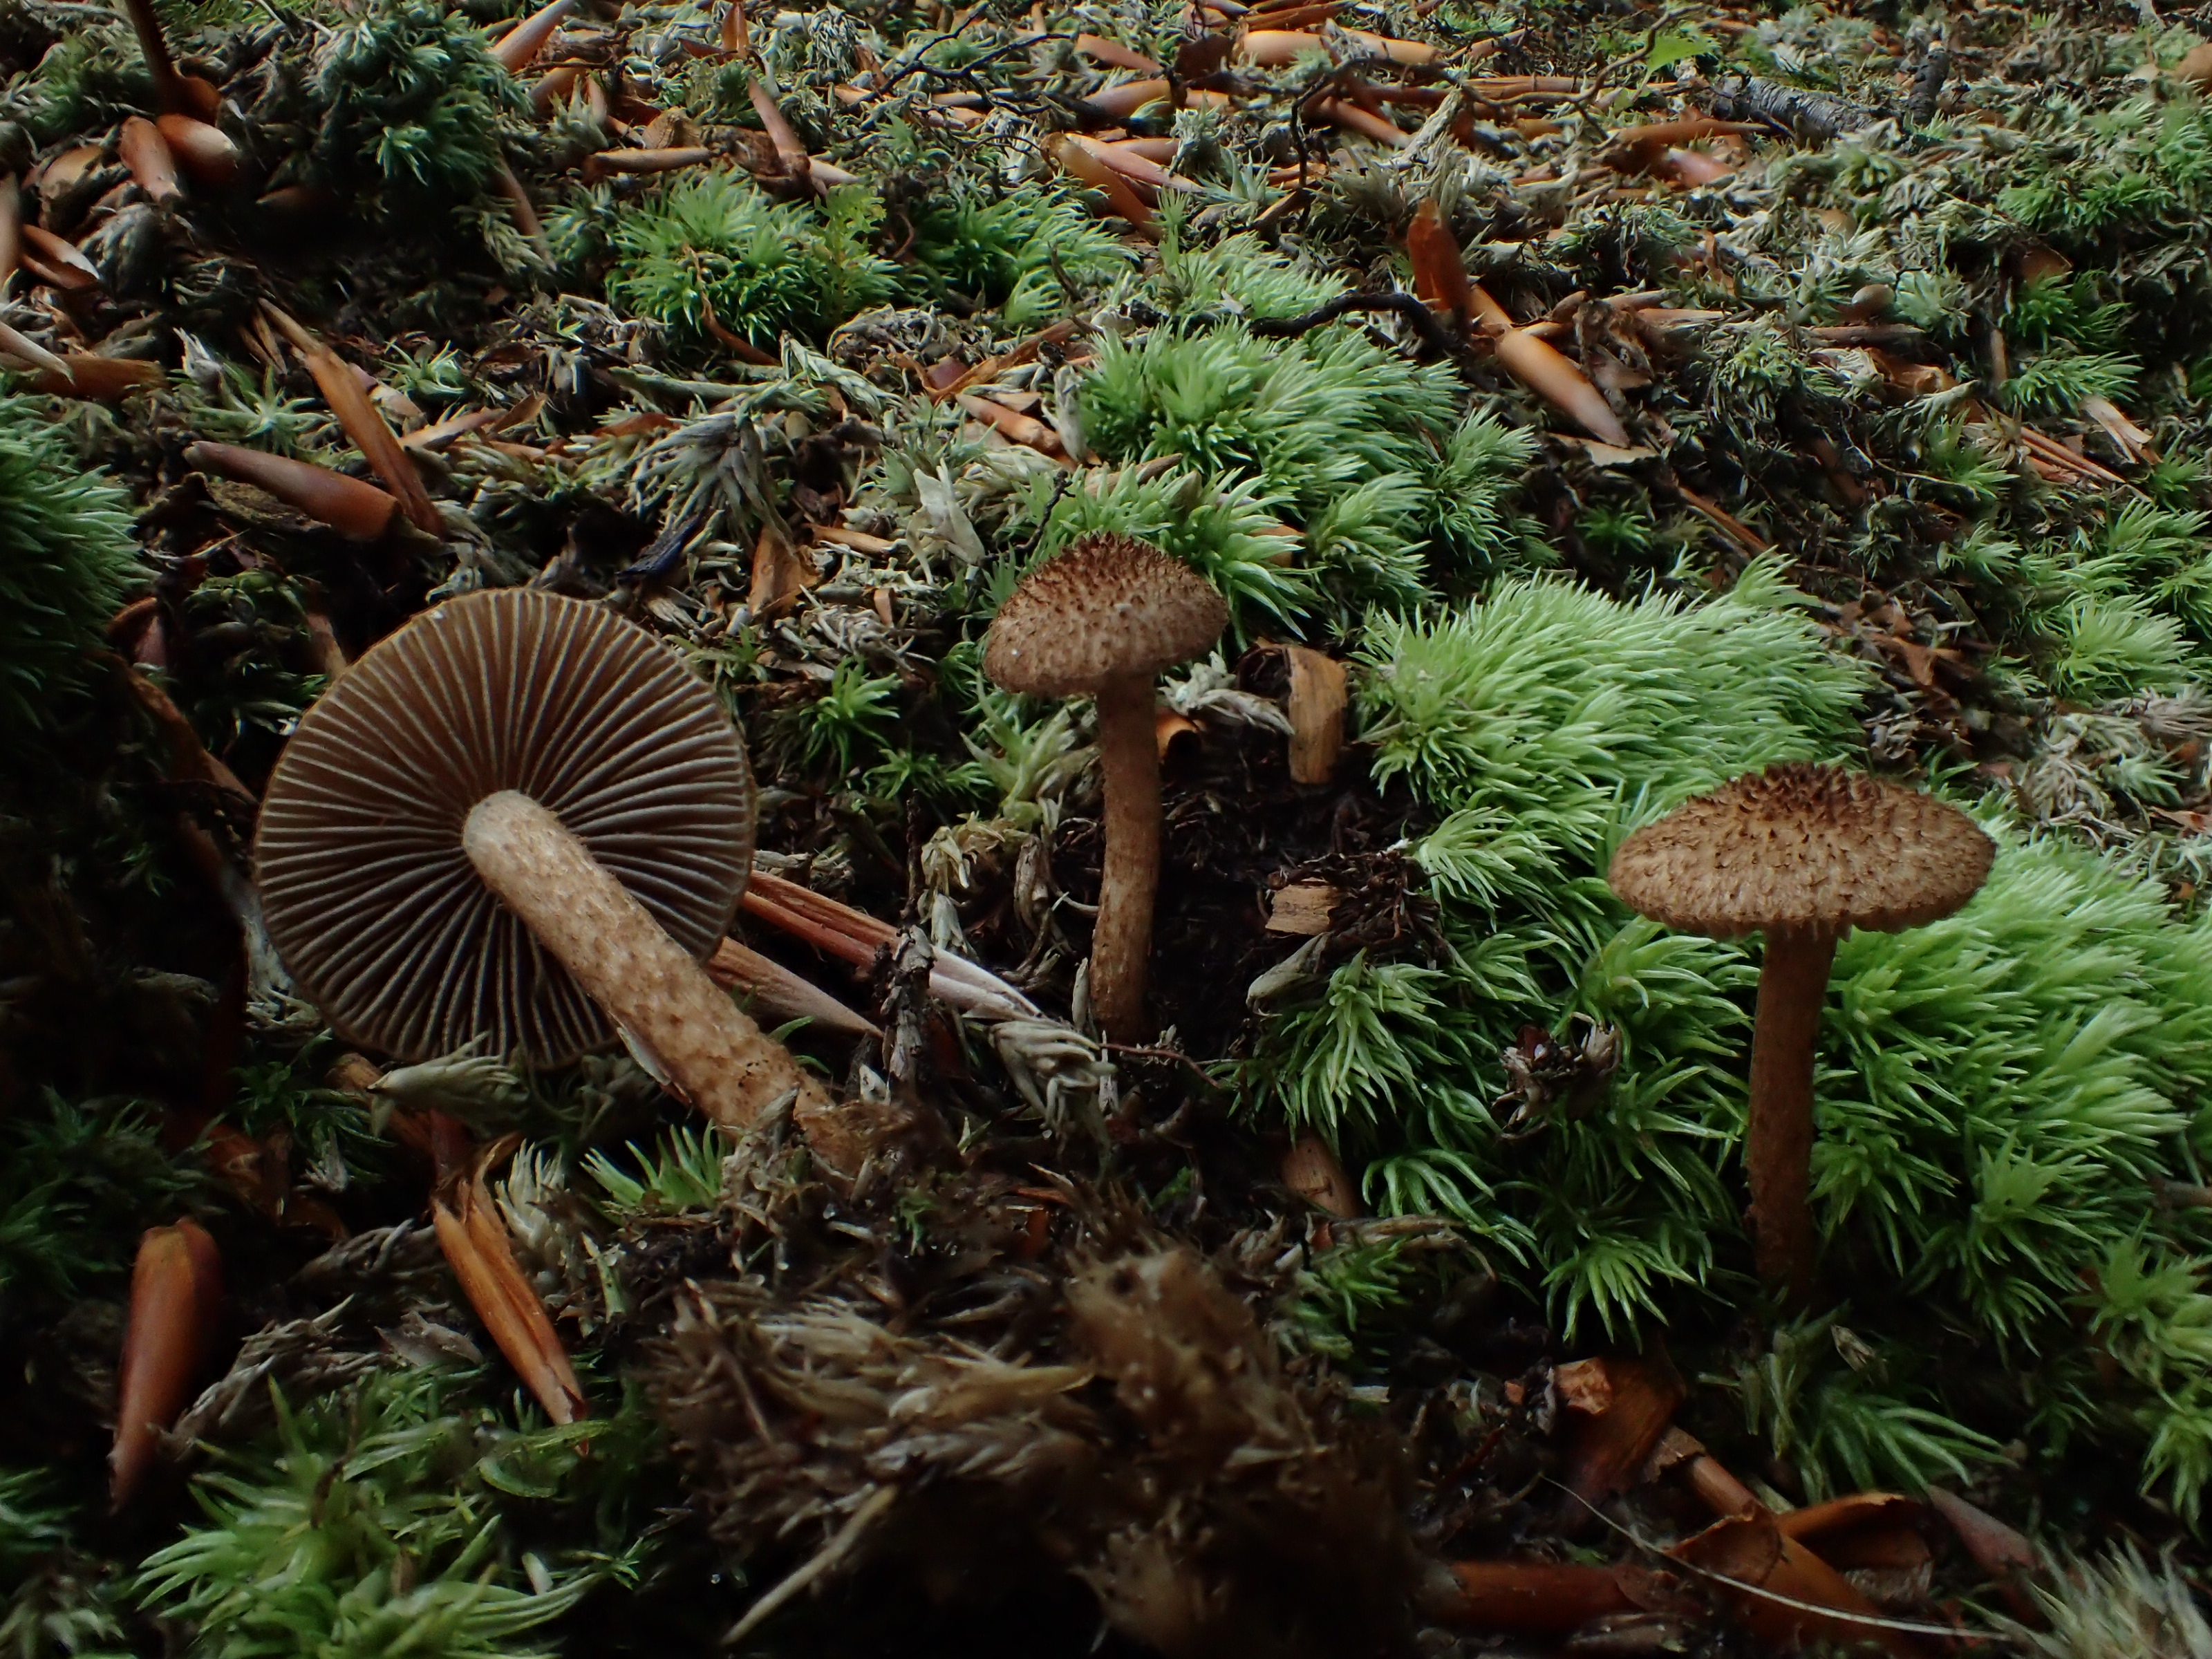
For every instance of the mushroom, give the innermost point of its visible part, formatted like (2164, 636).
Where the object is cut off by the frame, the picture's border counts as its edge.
(516, 820)
(1802, 854)
(1104, 616)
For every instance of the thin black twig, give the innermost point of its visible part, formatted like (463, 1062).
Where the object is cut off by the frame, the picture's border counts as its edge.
(1140, 1052)
(919, 67)
(1434, 334)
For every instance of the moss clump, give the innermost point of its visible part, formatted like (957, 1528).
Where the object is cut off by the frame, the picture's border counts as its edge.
(1544, 724)
(67, 561)
(376, 1521)
(412, 104)
(712, 256)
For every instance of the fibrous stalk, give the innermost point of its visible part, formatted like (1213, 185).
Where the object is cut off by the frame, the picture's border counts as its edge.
(1778, 1145)
(1120, 946)
(648, 984)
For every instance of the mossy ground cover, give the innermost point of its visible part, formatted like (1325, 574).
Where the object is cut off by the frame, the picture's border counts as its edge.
(798, 337)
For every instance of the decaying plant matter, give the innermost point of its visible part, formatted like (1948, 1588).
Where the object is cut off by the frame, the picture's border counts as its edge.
(735, 1100)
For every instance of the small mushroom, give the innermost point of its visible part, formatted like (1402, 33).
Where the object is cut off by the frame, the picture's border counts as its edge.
(1802, 854)
(1105, 616)
(516, 820)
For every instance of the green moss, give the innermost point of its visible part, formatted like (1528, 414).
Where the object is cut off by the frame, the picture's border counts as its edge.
(711, 252)
(384, 1520)
(1999, 1088)
(1020, 251)
(1543, 724)
(412, 104)
(77, 1185)
(1567, 712)
(67, 561)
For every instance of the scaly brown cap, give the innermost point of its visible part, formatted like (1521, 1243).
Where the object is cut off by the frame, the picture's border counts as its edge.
(371, 901)
(1802, 846)
(1105, 607)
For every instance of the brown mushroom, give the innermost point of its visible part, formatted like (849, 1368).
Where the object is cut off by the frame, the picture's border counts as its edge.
(517, 812)
(1802, 854)
(1104, 616)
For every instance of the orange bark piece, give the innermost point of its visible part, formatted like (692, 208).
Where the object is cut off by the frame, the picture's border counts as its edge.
(1412, 54)
(1278, 48)
(515, 49)
(1312, 1171)
(597, 166)
(1132, 164)
(2004, 1555)
(1011, 425)
(1316, 711)
(1368, 125)
(1751, 1550)
(1114, 55)
(1489, 316)
(1560, 382)
(790, 154)
(775, 990)
(1440, 271)
(203, 149)
(1627, 1404)
(83, 374)
(365, 424)
(1643, 145)
(69, 269)
(780, 575)
(1297, 17)
(1533, 1598)
(188, 758)
(175, 1286)
(1093, 169)
(11, 227)
(1728, 524)
(1167, 727)
(146, 153)
(1694, 167)
(1128, 97)
(481, 1256)
(354, 508)
(1860, 1510)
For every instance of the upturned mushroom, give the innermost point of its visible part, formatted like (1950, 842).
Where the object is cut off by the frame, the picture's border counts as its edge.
(520, 822)
(1105, 616)
(1802, 854)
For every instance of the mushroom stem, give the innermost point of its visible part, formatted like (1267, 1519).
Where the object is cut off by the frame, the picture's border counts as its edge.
(1122, 943)
(629, 965)
(1778, 1146)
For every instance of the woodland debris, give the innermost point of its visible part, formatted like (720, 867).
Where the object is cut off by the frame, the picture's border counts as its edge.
(176, 1288)
(481, 1256)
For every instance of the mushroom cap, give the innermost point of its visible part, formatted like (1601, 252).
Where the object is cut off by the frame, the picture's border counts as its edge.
(1105, 607)
(1802, 846)
(372, 903)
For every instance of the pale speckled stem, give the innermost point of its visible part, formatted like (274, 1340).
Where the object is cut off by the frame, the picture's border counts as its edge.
(1122, 943)
(730, 1069)
(1793, 987)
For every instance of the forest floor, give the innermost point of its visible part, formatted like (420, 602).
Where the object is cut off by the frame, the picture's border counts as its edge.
(1578, 406)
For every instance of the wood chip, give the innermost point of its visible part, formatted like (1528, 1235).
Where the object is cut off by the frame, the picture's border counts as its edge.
(1303, 908)
(482, 1255)
(781, 995)
(1622, 1406)
(1316, 712)
(780, 573)
(1312, 1171)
